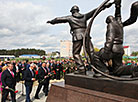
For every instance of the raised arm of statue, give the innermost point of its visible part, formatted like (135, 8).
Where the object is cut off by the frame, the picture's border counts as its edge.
(59, 20)
(90, 14)
(118, 11)
(133, 15)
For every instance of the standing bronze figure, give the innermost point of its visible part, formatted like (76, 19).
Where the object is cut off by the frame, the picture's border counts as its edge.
(78, 24)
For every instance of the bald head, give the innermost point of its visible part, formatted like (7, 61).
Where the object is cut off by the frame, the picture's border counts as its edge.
(44, 65)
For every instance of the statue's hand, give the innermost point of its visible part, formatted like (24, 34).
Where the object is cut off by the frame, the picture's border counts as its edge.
(51, 22)
(48, 22)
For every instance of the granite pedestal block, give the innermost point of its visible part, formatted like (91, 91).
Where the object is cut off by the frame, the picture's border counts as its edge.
(79, 88)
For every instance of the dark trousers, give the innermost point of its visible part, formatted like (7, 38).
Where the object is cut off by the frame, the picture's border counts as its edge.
(58, 75)
(18, 77)
(77, 46)
(39, 88)
(28, 91)
(120, 69)
(117, 68)
(5, 94)
(99, 63)
(47, 87)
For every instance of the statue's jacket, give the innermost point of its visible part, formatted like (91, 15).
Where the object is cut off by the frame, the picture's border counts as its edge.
(77, 22)
(114, 38)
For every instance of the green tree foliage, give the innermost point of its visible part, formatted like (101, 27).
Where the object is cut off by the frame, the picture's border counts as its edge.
(134, 54)
(96, 49)
(18, 52)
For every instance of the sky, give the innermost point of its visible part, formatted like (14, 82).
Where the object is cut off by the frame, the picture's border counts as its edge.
(23, 23)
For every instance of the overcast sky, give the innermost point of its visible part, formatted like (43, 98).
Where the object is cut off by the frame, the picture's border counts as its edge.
(23, 23)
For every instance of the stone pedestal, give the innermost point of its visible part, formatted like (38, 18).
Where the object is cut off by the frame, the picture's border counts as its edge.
(79, 88)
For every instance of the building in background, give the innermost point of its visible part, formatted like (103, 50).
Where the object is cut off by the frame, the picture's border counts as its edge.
(127, 50)
(7, 57)
(29, 56)
(65, 48)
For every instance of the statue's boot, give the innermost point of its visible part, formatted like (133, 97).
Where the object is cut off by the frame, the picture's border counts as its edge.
(80, 71)
(80, 66)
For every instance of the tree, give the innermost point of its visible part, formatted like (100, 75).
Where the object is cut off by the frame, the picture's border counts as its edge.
(134, 53)
(18, 52)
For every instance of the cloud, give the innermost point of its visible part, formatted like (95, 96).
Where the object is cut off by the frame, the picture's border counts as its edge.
(23, 24)
(5, 32)
(131, 35)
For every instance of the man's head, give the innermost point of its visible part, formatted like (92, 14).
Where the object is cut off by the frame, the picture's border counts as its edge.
(74, 9)
(44, 65)
(10, 66)
(110, 19)
(58, 62)
(32, 66)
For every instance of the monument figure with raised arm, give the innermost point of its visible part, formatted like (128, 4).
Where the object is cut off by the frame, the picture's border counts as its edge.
(78, 25)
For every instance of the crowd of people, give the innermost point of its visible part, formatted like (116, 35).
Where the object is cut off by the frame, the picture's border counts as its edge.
(130, 62)
(42, 71)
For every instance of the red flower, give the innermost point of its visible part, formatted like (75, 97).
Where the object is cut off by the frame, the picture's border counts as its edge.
(36, 72)
(54, 72)
(64, 71)
(16, 91)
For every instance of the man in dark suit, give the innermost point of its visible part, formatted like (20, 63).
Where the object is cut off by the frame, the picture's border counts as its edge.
(8, 79)
(39, 64)
(78, 24)
(48, 78)
(42, 74)
(29, 77)
(58, 70)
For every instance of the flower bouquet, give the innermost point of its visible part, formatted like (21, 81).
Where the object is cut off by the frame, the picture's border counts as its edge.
(15, 91)
(49, 74)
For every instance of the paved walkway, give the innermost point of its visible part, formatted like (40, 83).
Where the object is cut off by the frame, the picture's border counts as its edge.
(21, 98)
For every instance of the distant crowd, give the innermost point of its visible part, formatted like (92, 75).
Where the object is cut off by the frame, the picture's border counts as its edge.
(42, 71)
(129, 62)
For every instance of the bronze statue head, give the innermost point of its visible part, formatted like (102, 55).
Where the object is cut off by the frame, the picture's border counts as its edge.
(75, 8)
(109, 19)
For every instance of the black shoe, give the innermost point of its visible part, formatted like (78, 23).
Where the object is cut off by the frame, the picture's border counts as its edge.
(46, 94)
(8, 99)
(36, 97)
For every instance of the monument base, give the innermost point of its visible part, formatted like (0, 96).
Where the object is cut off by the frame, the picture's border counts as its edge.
(82, 92)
